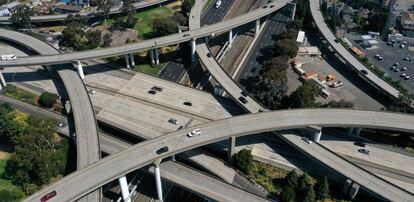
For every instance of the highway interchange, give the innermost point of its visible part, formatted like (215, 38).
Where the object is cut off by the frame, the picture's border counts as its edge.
(215, 130)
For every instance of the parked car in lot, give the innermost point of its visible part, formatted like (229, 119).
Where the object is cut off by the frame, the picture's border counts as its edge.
(407, 59)
(403, 69)
(306, 140)
(195, 132)
(364, 151)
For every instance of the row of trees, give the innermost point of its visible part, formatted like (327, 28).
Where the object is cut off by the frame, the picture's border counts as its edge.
(40, 154)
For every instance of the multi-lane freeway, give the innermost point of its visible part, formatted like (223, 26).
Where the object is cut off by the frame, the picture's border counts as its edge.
(147, 44)
(114, 166)
(345, 54)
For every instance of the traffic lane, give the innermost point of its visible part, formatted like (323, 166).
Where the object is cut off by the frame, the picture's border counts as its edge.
(391, 56)
(214, 15)
(178, 65)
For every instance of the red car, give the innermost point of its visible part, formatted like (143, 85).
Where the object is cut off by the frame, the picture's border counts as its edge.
(48, 196)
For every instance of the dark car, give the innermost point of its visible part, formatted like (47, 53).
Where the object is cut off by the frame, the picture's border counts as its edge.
(48, 196)
(364, 72)
(244, 93)
(162, 150)
(156, 88)
(272, 6)
(188, 103)
(243, 100)
(209, 55)
(264, 6)
(152, 92)
(186, 35)
(361, 144)
(364, 151)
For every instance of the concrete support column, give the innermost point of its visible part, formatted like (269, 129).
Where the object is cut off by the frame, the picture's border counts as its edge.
(317, 135)
(124, 189)
(157, 56)
(293, 11)
(127, 62)
(173, 158)
(132, 59)
(346, 186)
(230, 37)
(193, 50)
(48, 68)
(231, 149)
(350, 131)
(357, 131)
(151, 53)
(257, 27)
(158, 181)
(80, 69)
(2, 81)
(353, 190)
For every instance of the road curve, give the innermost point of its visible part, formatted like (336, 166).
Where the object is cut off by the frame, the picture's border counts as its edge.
(87, 143)
(62, 17)
(144, 45)
(139, 155)
(345, 54)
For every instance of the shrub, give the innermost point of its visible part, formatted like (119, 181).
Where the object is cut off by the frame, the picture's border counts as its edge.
(47, 99)
(244, 161)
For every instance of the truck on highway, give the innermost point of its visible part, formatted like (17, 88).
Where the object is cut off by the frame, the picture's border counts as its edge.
(8, 57)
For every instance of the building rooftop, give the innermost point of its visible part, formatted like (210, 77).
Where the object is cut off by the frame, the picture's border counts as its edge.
(301, 37)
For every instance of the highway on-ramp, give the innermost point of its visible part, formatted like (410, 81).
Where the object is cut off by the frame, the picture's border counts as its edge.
(147, 44)
(345, 54)
(96, 175)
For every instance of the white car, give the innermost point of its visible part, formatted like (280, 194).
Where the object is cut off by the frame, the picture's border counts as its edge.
(91, 91)
(195, 132)
(8, 57)
(306, 140)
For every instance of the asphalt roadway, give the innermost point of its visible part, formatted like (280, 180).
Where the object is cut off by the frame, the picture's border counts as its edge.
(147, 44)
(345, 54)
(98, 174)
(181, 175)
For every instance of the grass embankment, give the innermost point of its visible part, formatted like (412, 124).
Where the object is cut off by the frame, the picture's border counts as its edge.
(268, 176)
(5, 184)
(20, 94)
(148, 69)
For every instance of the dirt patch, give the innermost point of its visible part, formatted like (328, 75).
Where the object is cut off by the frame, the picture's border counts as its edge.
(174, 5)
(5, 151)
(4, 155)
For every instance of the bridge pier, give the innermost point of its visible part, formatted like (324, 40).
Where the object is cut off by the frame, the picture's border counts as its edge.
(355, 132)
(124, 189)
(127, 62)
(158, 179)
(350, 189)
(230, 37)
(48, 68)
(132, 59)
(317, 133)
(231, 149)
(193, 50)
(257, 27)
(157, 56)
(151, 54)
(2, 81)
(80, 69)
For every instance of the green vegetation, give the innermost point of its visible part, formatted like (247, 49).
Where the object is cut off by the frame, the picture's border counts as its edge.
(15, 92)
(397, 139)
(5, 184)
(304, 96)
(244, 161)
(40, 154)
(145, 19)
(148, 69)
(268, 177)
(21, 16)
(186, 6)
(47, 99)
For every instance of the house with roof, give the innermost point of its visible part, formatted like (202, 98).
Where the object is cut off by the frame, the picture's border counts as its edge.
(407, 21)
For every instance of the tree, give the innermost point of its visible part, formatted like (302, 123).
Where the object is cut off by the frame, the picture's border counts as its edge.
(304, 96)
(131, 20)
(180, 19)
(324, 7)
(107, 40)
(21, 16)
(290, 33)
(105, 7)
(288, 194)
(186, 6)
(275, 69)
(286, 47)
(270, 93)
(323, 189)
(11, 195)
(304, 189)
(292, 179)
(308, 194)
(244, 160)
(10, 129)
(164, 26)
(72, 36)
(94, 38)
(47, 99)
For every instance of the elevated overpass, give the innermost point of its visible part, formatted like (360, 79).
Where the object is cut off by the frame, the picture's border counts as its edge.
(147, 44)
(62, 17)
(87, 143)
(346, 55)
(110, 168)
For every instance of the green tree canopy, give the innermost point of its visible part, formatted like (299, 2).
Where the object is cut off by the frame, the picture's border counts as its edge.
(47, 99)
(305, 95)
(244, 160)
(286, 47)
(186, 6)
(21, 16)
(164, 26)
(72, 36)
(288, 194)
(323, 189)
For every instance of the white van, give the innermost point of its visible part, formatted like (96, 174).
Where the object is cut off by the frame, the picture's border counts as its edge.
(8, 57)
(218, 4)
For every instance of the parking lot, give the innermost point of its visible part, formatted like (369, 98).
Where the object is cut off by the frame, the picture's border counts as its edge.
(391, 56)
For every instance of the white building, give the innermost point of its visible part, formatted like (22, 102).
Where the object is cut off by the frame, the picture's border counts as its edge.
(301, 40)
